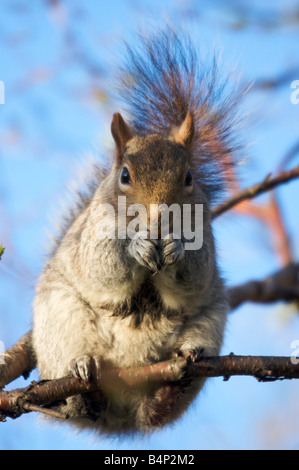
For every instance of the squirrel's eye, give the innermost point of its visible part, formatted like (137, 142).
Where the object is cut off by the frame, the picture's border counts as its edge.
(125, 176)
(188, 180)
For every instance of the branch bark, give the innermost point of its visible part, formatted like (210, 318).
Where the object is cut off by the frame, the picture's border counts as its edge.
(37, 396)
(282, 285)
(17, 360)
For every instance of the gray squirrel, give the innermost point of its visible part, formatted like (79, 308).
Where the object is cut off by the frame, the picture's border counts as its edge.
(138, 300)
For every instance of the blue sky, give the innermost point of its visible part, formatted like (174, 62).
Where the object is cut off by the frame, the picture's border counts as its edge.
(57, 64)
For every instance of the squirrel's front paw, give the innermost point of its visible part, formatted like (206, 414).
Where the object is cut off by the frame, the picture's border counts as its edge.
(85, 367)
(145, 251)
(81, 367)
(173, 250)
(192, 355)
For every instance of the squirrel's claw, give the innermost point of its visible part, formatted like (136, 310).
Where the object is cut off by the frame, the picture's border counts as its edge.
(191, 355)
(81, 367)
(173, 250)
(144, 250)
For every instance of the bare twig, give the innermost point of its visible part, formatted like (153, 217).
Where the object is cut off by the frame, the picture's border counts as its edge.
(267, 184)
(17, 360)
(282, 285)
(263, 368)
(46, 411)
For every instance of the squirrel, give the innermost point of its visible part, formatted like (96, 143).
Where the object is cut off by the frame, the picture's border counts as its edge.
(139, 300)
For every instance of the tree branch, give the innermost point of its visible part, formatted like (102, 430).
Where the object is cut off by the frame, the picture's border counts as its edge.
(17, 360)
(282, 285)
(37, 395)
(267, 184)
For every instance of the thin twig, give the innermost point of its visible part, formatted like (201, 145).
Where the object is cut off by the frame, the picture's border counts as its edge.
(17, 360)
(263, 368)
(46, 411)
(266, 185)
(282, 285)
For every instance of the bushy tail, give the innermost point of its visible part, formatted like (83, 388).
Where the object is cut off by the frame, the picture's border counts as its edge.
(163, 77)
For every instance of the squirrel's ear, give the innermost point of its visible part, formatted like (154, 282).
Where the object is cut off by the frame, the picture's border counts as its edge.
(184, 133)
(122, 133)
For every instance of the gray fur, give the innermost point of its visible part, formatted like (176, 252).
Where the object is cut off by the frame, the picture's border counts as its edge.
(131, 302)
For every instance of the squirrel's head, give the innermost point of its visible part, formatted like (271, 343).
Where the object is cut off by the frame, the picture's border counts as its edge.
(154, 169)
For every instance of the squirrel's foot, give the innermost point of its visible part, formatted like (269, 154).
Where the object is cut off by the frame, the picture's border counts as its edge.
(192, 355)
(81, 367)
(85, 367)
(173, 250)
(145, 251)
